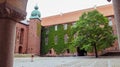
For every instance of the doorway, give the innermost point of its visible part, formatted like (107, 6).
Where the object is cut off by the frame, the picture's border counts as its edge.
(81, 52)
(20, 49)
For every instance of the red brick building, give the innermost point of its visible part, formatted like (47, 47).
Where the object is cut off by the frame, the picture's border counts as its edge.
(28, 35)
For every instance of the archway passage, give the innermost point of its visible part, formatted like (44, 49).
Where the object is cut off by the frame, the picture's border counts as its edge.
(20, 50)
(81, 52)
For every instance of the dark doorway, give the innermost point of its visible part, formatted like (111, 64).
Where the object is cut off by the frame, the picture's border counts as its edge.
(68, 51)
(20, 49)
(81, 52)
(50, 51)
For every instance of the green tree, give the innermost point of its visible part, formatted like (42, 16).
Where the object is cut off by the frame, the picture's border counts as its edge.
(93, 32)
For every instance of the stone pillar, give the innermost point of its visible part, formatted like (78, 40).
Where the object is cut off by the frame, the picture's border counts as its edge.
(10, 13)
(7, 37)
(116, 6)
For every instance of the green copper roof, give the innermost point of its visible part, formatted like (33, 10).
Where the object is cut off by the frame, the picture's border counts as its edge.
(35, 13)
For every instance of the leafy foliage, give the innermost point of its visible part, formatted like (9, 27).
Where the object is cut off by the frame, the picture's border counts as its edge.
(92, 29)
(61, 46)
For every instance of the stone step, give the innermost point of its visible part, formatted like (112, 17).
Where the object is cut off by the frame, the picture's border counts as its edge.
(112, 53)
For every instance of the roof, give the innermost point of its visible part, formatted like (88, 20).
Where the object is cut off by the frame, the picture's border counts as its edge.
(106, 10)
(24, 22)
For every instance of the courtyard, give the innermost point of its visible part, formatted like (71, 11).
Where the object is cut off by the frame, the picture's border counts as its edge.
(87, 61)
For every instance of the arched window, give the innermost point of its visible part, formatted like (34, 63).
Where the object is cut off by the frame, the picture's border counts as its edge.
(21, 35)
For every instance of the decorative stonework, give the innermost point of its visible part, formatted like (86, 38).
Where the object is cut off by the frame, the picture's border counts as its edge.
(8, 11)
(109, 0)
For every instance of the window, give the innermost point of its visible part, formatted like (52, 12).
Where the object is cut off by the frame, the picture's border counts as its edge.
(18, 34)
(47, 30)
(75, 35)
(46, 41)
(73, 23)
(55, 27)
(21, 35)
(56, 39)
(66, 38)
(65, 26)
(110, 21)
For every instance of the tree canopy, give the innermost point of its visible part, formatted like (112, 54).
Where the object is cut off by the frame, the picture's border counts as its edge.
(93, 32)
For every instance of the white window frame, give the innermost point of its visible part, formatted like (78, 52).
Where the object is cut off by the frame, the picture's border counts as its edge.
(65, 26)
(56, 28)
(110, 21)
(73, 23)
(56, 39)
(66, 38)
(46, 41)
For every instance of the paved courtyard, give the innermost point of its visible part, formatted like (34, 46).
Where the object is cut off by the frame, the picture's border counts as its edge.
(68, 62)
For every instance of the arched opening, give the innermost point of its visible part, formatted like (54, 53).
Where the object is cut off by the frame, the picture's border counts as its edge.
(20, 49)
(81, 52)
(50, 51)
(68, 51)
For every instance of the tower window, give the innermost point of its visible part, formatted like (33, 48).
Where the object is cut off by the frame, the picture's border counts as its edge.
(21, 35)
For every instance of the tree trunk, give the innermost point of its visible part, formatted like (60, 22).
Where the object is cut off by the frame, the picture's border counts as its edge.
(95, 49)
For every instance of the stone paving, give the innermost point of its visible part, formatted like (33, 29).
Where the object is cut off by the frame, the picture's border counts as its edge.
(68, 62)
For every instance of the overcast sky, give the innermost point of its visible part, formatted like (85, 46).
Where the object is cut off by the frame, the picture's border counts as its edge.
(53, 7)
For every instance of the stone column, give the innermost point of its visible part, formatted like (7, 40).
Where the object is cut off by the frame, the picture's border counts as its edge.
(10, 14)
(116, 5)
(7, 37)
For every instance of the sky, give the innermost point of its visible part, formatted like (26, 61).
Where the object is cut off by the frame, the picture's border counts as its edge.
(53, 7)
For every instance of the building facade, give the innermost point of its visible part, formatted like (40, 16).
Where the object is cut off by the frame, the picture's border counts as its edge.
(52, 37)
(28, 35)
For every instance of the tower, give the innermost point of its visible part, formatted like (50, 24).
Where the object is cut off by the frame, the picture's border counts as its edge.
(34, 32)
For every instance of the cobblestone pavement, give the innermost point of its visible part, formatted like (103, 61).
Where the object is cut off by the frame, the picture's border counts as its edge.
(68, 62)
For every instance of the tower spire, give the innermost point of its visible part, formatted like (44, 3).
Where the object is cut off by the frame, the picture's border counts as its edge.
(35, 13)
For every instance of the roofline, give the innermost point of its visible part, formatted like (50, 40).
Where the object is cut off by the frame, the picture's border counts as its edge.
(23, 23)
(77, 10)
(59, 24)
